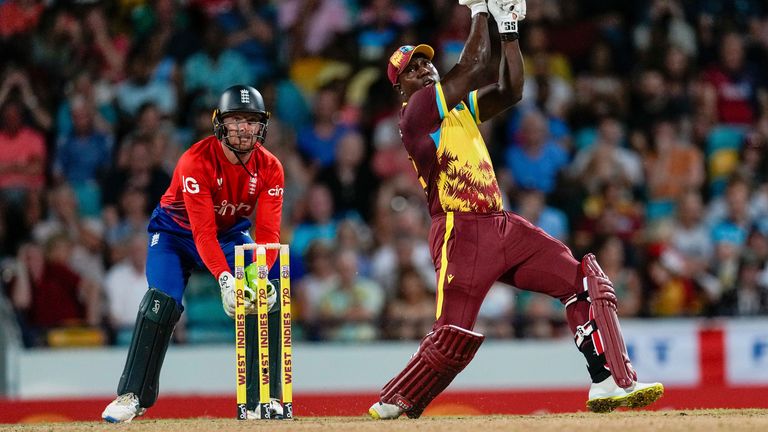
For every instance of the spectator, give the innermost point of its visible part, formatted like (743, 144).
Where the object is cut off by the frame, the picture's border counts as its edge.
(281, 141)
(320, 278)
(532, 205)
(63, 215)
(690, 237)
(22, 155)
(49, 293)
(670, 293)
(626, 280)
(318, 223)
(547, 91)
(162, 137)
(349, 179)
(606, 160)
(132, 217)
(672, 167)
(665, 25)
(97, 94)
(730, 93)
(139, 88)
(539, 55)
(125, 286)
(599, 88)
(497, 313)
(653, 102)
(736, 206)
(18, 17)
(350, 309)
(612, 211)
(318, 142)
(140, 173)
(400, 245)
(83, 156)
(214, 67)
(536, 160)
(312, 25)
(378, 27)
(108, 48)
(409, 315)
(16, 86)
(251, 29)
(749, 297)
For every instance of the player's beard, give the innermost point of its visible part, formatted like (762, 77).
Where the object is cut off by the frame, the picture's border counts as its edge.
(244, 143)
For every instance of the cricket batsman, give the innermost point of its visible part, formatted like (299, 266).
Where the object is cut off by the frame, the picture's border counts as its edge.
(474, 242)
(217, 185)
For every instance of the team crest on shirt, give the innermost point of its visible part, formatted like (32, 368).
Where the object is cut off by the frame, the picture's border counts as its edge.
(252, 186)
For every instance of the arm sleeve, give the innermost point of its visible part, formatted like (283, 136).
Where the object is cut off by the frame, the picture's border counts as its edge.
(473, 107)
(422, 117)
(269, 210)
(199, 204)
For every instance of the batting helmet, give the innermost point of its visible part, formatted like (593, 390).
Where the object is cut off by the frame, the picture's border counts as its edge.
(240, 99)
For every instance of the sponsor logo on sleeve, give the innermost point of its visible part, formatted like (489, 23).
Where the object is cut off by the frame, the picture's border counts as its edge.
(189, 184)
(275, 191)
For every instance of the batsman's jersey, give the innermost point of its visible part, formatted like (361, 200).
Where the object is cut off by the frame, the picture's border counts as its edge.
(449, 154)
(209, 196)
(473, 241)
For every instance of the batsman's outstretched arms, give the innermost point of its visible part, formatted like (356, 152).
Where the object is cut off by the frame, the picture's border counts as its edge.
(473, 61)
(498, 97)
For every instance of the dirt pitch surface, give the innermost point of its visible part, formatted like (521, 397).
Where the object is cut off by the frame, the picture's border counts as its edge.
(683, 421)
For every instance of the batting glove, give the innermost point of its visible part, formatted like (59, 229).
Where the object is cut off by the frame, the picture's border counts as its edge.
(251, 276)
(507, 13)
(228, 298)
(476, 6)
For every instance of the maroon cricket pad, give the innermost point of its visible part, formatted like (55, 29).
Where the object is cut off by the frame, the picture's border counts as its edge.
(442, 355)
(603, 299)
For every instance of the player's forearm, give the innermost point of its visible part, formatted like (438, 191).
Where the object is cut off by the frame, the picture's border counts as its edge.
(511, 71)
(477, 50)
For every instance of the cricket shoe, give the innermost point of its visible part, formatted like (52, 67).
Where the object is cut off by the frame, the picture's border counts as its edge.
(123, 409)
(606, 396)
(275, 411)
(384, 411)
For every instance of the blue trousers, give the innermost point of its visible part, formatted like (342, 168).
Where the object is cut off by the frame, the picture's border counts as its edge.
(172, 255)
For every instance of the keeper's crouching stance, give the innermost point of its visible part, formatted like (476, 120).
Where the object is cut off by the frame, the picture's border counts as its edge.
(219, 185)
(474, 242)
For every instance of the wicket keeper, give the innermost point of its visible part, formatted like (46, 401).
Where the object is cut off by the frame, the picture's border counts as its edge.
(204, 213)
(474, 242)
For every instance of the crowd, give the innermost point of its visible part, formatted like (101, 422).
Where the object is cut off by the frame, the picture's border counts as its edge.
(642, 136)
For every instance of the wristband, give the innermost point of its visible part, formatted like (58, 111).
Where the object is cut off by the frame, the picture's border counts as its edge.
(479, 8)
(509, 37)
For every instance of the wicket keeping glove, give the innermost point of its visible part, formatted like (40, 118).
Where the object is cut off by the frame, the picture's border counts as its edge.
(507, 13)
(251, 276)
(476, 6)
(228, 300)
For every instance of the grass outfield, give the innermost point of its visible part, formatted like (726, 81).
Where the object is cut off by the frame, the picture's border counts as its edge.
(683, 421)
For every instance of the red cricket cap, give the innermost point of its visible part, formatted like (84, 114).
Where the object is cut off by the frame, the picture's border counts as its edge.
(400, 58)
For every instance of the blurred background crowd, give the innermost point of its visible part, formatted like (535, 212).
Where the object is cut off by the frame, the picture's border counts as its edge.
(642, 136)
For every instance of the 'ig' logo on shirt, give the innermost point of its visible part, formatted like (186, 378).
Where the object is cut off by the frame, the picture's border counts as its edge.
(189, 184)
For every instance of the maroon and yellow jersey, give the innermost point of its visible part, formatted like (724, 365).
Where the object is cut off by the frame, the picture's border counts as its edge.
(449, 154)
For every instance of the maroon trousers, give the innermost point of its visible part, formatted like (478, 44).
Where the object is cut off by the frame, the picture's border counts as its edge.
(473, 250)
